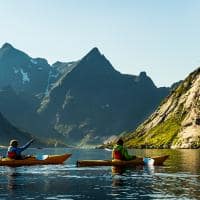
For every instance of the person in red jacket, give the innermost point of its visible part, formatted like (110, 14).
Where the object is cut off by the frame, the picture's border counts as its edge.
(120, 152)
(14, 151)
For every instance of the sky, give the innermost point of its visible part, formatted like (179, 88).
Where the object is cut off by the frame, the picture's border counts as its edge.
(159, 37)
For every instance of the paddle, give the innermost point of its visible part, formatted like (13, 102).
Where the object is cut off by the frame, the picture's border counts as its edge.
(148, 161)
(41, 157)
(107, 149)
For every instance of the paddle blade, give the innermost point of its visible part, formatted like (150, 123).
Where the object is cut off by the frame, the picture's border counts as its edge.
(148, 161)
(41, 157)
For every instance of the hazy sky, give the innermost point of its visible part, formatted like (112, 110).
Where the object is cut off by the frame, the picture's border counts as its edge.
(161, 37)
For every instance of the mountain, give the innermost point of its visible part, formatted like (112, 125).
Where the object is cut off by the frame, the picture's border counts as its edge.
(32, 77)
(176, 122)
(78, 102)
(23, 82)
(24, 74)
(18, 109)
(20, 113)
(93, 101)
(8, 132)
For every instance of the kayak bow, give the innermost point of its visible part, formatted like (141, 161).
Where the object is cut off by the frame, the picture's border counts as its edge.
(159, 160)
(50, 159)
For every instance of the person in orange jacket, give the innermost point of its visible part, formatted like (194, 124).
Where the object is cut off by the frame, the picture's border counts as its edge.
(120, 152)
(14, 151)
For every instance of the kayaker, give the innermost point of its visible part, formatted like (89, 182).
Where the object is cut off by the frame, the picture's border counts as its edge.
(120, 152)
(14, 151)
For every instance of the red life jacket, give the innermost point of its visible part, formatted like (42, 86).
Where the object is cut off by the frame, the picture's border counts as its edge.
(117, 155)
(11, 154)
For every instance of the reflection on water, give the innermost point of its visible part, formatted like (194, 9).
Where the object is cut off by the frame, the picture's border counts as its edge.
(12, 179)
(150, 183)
(179, 178)
(190, 160)
(134, 183)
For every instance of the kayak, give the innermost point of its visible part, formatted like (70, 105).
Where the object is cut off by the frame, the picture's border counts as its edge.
(35, 160)
(159, 160)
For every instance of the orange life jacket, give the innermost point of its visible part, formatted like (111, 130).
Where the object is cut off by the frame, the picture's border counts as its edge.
(117, 155)
(11, 154)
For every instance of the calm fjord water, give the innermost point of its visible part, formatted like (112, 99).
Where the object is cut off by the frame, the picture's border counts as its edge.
(179, 178)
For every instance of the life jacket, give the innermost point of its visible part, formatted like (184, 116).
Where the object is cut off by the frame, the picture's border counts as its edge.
(117, 154)
(11, 154)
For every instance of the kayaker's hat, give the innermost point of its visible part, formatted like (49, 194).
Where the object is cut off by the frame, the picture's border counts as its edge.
(120, 142)
(13, 143)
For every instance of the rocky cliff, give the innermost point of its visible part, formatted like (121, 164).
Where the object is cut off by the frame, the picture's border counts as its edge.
(176, 122)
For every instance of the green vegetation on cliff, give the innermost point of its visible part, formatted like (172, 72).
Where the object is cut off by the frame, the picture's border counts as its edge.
(160, 136)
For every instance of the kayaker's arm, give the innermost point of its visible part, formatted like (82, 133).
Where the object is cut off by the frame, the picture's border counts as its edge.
(20, 149)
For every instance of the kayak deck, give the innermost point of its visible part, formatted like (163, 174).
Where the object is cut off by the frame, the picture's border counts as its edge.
(159, 160)
(50, 159)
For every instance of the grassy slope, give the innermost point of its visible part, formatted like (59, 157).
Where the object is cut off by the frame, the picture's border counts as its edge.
(160, 136)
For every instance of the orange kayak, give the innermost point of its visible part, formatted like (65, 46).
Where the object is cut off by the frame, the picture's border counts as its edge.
(34, 160)
(159, 160)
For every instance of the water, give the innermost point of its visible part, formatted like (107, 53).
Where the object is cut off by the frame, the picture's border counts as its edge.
(179, 178)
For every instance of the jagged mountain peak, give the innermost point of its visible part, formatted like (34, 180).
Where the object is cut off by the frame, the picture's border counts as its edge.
(7, 51)
(93, 55)
(22, 72)
(95, 62)
(7, 46)
(145, 80)
(143, 75)
(93, 52)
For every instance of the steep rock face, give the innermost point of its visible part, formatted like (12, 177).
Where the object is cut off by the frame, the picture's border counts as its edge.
(29, 76)
(8, 132)
(189, 135)
(20, 113)
(19, 110)
(24, 81)
(23, 73)
(176, 122)
(58, 70)
(94, 101)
